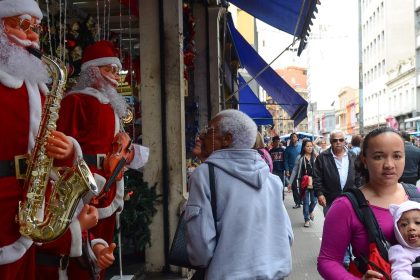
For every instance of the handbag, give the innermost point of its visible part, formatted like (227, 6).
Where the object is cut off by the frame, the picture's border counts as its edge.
(306, 180)
(178, 255)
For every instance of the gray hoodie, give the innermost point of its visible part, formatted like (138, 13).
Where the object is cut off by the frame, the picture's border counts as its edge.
(255, 232)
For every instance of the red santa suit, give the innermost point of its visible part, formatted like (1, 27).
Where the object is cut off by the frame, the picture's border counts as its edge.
(21, 115)
(88, 116)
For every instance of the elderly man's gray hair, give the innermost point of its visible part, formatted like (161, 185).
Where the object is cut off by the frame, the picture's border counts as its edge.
(335, 132)
(242, 128)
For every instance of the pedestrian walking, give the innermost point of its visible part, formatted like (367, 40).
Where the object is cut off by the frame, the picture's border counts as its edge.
(383, 163)
(290, 155)
(411, 172)
(303, 173)
(253, 233)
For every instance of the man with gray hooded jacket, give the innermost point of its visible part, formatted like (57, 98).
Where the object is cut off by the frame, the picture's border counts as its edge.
(253, 227)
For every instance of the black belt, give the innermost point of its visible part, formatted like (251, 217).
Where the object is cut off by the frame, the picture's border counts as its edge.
(12, 168)
(96, 160)
(50, 260)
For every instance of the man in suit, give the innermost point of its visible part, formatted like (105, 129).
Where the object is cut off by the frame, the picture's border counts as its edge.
(334, 171)
(412, 161)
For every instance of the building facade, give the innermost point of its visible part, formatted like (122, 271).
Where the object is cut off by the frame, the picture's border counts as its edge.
(384, 46)
(347, 111)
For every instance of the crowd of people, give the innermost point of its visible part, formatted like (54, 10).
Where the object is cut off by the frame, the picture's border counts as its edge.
(250, 235)
(378, 165)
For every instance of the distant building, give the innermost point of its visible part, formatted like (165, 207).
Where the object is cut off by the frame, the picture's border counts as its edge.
(297, 78)
(347, 111)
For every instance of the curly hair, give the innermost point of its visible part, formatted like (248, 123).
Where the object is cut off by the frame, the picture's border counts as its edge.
(242, 128)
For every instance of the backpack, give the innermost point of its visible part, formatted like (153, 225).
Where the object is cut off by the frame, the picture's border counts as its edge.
(378, 245)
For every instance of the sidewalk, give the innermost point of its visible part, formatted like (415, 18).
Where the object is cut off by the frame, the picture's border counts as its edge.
(304, 251)
(307, 242)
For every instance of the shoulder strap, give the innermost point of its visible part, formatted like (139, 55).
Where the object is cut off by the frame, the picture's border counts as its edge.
(213, 197)
(412, 192)
(368, 219)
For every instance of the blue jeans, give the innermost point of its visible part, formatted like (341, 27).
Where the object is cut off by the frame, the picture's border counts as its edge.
(309, 203)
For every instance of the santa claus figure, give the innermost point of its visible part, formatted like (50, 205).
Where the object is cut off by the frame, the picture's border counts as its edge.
(23, 88)
(91, 112)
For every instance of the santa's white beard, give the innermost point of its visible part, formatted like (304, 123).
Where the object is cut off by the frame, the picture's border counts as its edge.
(19, 63)
(91, 77)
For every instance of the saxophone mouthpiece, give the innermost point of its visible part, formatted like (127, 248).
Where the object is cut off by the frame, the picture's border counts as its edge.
(34, 52)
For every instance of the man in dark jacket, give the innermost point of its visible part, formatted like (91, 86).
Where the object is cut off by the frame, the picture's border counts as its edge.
(412, 161)
(334, 171)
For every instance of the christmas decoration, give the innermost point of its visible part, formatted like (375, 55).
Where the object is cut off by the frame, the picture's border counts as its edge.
(139, 208)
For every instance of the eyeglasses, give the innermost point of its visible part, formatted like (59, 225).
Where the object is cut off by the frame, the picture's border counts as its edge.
(206, 129)
(112, 68)
(24, 24)
(337, 140)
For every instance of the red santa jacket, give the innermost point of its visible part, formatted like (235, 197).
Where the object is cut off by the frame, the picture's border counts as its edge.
(20, 118)
(89, 118)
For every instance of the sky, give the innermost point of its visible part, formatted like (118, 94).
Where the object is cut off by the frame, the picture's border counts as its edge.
(331, 55)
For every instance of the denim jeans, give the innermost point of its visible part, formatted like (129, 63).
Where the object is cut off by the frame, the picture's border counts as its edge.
(309, 203)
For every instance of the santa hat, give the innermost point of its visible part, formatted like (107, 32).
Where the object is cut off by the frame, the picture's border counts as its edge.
(396, 212)
(11, 8)
(99, 54)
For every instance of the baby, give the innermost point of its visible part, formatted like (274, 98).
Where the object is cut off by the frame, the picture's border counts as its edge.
(407, 231)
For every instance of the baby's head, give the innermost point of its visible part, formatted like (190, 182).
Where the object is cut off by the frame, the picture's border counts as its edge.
(407, 223)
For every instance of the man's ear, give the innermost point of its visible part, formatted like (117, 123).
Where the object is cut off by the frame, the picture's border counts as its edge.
(227, 140)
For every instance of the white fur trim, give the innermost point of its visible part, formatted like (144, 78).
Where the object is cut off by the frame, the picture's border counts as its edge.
(101, 62)
(76, 239)
(117, 124)
(91, 92)
(10, 8)
(35, 111)
(141, 156)
(116, 205)
(100, 182)
(13, 252)
(10, 81)
(62, 274)
(78, 154)
(92, 254)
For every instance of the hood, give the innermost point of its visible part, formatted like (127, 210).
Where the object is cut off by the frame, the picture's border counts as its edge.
(243, 164)
(396, 212)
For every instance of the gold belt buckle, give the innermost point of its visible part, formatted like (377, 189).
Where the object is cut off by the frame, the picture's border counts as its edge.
(19, 174)
(100, 160)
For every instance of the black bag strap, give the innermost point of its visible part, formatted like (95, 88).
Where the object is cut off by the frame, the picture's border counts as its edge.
(213, 199)
(412, 192)
(368, 219)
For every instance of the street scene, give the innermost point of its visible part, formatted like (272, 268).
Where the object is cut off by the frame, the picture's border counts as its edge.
(210, 139)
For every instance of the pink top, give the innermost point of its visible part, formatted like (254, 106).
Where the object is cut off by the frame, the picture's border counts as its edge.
(267, 158)
(342, 227)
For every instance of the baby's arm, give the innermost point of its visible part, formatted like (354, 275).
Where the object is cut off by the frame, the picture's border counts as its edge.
(401, 262)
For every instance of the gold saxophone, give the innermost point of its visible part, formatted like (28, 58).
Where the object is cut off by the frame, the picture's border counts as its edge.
(40, 219)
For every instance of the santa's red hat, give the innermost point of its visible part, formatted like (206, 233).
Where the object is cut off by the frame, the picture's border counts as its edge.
(11, 8)
(99, 54)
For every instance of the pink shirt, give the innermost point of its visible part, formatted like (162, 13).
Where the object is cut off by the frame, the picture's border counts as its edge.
(342, 227)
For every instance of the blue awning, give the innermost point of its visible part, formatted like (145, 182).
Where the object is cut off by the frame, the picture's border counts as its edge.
(251, 105)
(273, 84)
(291, 16)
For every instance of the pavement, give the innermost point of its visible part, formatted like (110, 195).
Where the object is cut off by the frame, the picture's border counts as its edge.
(305, 250)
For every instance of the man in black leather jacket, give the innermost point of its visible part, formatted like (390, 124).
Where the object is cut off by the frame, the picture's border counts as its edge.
(334, 171)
